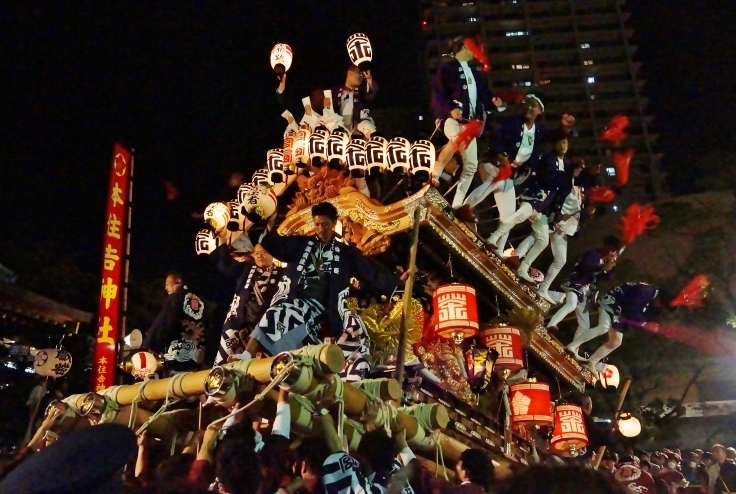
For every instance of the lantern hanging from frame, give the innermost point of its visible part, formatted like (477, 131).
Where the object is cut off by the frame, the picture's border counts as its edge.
(318, 146)
(281, 58)
(301, 146)
(288, 153)
(628, 425)
(530, 404)
(260, 177)
(609, 376)
(243, 191)
(275, 166)
(52, 362)
(260, 203)
(397, 155)
(235, 223)
(456, 312)
(142, 365)
(507, 341)
(360, 50)
(217, 215)
(355, 156)
(336, 144)
(570, 435)
(421, 160)
(205, 242)
(375, 153)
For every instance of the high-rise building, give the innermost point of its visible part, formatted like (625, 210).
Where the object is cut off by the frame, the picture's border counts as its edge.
(577, 55)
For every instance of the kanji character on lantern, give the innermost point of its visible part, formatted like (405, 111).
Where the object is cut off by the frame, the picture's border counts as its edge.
(570, 435)
(456, 312)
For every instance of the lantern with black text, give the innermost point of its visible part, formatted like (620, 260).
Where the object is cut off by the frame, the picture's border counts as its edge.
(397, 154)
(275, 166)
(421, 159)
(506, 340)
(243, 191)
(205, 242)
(628, 425)
(301, 146)
(288, 153)
(336, 145)
(235, 223)
(456, 312)
(530, 404)
(355, 156)
(570, 435)
(609, 376)
(260, 203)
(217, 215)
(360, 50)
(375, 153)
(281, 57)
(260, 177)
(318, 145)
(52, 362)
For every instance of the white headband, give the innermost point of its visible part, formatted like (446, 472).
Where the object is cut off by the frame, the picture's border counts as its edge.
(536, 98)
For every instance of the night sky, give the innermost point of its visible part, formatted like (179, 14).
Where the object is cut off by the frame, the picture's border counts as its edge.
(188, 85)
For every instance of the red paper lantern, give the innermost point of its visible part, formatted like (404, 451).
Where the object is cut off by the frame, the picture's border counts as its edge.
(530, 404)
(506, 340)
(570, 435)
(456, 311)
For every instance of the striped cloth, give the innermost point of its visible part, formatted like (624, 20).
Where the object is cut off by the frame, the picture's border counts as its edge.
(341, 475)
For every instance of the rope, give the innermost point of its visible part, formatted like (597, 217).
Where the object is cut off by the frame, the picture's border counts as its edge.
(371, 387)
(111, 410)
(169, 390)
(439, 457)
(134, 405)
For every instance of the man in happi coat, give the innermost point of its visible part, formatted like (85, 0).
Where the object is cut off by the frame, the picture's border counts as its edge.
(315, 287)
(256, 286)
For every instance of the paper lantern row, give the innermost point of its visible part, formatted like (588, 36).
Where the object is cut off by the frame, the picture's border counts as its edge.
(358, 154)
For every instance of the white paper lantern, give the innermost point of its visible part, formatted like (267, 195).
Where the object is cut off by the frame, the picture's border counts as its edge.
(144, 365)
(628, 425)
(359, 48)
(609, 376)
(336, 145)
(260, 203)
(281, 57)
(375, 153)
(52, 363)
(260, 177)
(217, 215)
(235, 223)
(301, 146)
(288, 153)
(421, 159)
(275, 166)
(355, 155)
(243, 191)
(397, 154)
(318, 145)
(205, 242)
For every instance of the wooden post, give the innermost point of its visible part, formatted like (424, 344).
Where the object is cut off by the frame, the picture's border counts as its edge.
(621, 398)
(407, 320)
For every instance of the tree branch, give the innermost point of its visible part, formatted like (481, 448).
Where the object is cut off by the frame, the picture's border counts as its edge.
(690, 383)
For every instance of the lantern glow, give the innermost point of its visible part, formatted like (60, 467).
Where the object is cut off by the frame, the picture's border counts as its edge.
(421, 159)
(397, 154)
(610, 376)
(275, 166)
(628, 425)
(570, 435)
(506, 340)
(530, 404)
(375, 151)
(281, 57)
(359, 49)
(456, 311)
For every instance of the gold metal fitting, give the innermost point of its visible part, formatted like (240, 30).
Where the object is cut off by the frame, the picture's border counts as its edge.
(218, 382)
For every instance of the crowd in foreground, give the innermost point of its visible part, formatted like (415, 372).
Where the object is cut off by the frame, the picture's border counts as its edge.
(246, 455)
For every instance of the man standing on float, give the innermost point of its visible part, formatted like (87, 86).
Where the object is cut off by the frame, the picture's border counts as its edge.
(460, 94)
(315, 285)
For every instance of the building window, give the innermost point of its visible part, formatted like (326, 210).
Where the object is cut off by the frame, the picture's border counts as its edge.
(515, 33)
(472, 19)
(610, 171)
(520, 66)
(587, 62)
(543, 82)
(522, 83)
(585, 46)
(592, 96)
(421, 117)
(591, 80)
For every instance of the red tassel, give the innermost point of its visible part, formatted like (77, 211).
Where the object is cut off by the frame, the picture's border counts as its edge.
(505, 171)
(601, 194)
(622, 163)
(637, 220)
(694, 292)
(477, 50)
(510, 96)
(614, 131)
(469, 132)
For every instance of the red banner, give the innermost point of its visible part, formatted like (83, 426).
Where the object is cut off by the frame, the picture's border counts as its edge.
(113, 265)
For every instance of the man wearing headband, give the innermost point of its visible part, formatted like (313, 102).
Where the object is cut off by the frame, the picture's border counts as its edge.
(461, 94)
(521, 140)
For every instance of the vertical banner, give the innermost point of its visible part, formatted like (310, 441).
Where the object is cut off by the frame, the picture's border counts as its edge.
(113, 264)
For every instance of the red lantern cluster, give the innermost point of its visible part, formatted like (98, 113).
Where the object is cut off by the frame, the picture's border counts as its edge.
(530, 404)
(506, 340)
(570, 435)
(456, 312)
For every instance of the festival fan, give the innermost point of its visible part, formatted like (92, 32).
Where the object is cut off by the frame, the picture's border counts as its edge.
(510, 96)
(614, 131)
(694, 292)
(637, 219)
(622, 162)
(601, 194)
(477, 50)
(470, 131)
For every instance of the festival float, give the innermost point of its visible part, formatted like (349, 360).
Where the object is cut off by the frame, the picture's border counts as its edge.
(460, 359)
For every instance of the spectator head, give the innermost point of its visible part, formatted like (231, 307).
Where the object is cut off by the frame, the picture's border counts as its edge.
(731, 453)
(174, 470)
(173, 281)
(374, 452)
(609, 460)
(476, 466)
(353, 76)
(309, 460)
(569, 479)
(707, 459)
(693, 459)
(582, 400)
(236, 463)
(644, 456)
(719, 453)
(645, 466)
(611, 245)
(658, 458)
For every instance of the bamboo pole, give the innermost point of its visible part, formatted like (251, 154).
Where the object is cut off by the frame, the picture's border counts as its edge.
(407, 320)
(619, 405)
